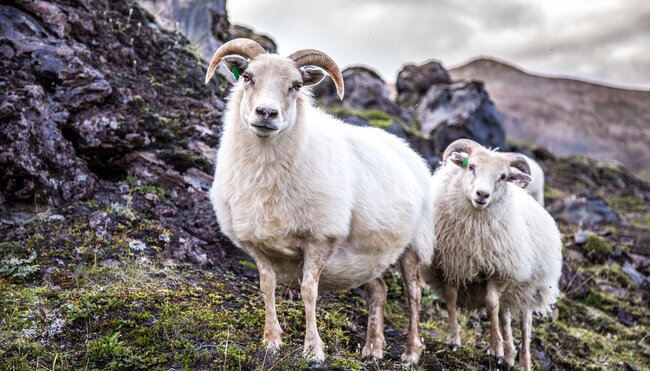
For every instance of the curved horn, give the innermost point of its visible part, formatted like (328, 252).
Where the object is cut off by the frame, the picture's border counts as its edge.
(244, 47)
(460, 145)
(312, 57)
(519, 162)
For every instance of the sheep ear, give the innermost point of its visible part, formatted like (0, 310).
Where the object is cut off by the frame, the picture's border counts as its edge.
(235, 64)
(459, 158)
(311, 76)
(520, 178)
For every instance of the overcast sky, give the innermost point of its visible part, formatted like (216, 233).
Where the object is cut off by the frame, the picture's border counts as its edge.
(596, 40)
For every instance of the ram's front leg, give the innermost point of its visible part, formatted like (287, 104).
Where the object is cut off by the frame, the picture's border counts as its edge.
(410, 263)
(316, 254)
(272, 329)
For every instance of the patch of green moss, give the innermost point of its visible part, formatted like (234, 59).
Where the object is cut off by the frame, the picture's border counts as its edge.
(596, 245)
(247, 263)
(376, 118)
(627, 204)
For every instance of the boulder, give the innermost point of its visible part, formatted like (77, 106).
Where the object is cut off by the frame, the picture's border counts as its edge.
(413, 81)
(364, 90)
(584, 209)
(462, 110)
(204, 22)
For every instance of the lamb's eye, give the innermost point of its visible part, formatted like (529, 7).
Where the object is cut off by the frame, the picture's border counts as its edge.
(247, 77)
(472, 167)
(502, 177)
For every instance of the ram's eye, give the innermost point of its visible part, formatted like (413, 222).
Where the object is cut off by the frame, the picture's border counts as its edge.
(502, 177)
(472, 167)
(295, 87)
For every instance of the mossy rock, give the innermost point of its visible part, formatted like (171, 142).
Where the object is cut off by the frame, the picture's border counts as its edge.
(596, 247)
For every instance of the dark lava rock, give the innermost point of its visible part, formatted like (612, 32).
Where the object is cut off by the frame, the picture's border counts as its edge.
(364, 90)
(583, 209)
(464, 110)
(414, 81)
(204, 22)
(98, 101)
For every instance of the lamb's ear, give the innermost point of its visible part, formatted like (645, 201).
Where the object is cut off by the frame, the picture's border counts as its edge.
(522, 179)
(235, 64)
(459, 158)
(311, 75)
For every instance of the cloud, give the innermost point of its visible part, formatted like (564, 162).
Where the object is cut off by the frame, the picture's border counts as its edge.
(604, 40)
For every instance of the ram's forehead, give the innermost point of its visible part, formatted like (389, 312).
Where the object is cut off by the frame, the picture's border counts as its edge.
(274, 65)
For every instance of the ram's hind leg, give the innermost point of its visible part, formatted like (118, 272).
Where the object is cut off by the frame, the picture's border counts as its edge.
(375, 343)
(410, 264)
(316, 254)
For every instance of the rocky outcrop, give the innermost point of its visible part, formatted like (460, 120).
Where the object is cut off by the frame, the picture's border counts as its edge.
(204, 22)
(103, 104)
(462, 110)
(414, 81)
(430, 110)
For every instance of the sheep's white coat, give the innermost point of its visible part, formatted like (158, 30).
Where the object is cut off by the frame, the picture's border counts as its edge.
(322, 179)
(514, 239)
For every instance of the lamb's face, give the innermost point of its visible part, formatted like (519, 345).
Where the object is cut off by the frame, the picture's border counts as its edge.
(486, 174)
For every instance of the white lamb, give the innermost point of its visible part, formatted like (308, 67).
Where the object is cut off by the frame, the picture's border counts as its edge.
(536, 186)
(315, 202)
(496, 247)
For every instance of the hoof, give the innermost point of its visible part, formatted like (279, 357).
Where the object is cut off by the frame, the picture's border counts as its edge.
(453, 347)
(314, 352)
(409, 359)
(372, 353)
(272, 345)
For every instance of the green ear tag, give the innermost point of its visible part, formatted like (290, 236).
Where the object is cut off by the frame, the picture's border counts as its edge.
(235, 71)
(466, 162)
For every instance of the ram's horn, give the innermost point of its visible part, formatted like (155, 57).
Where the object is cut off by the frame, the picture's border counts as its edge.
(311, 57)
(460, 145)
(246, 48)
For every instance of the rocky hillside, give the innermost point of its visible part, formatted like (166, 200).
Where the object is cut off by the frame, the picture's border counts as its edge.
(110, 256)
(571, 117)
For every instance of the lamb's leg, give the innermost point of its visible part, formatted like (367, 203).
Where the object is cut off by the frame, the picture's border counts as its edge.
(492, 297)
(375, 343)
(508, 342)
(453, 329)
(272, 329)
(413, 283)
(316, 254)
(526, 325)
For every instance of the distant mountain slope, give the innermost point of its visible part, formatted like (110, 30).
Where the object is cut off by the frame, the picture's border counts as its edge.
(570, 116)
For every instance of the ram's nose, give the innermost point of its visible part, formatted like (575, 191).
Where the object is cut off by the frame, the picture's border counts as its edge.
(267, 113)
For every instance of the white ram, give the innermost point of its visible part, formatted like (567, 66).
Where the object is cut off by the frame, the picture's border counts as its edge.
(317, 203)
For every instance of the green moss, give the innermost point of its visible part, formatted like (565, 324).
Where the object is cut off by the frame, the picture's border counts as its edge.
(374, 117)
(627, 204)
(247, 263)
(596, 245)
